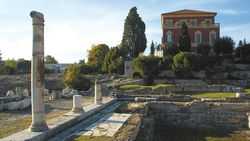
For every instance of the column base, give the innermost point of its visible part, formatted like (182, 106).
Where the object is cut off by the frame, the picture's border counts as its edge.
(77, 110)
(38, 127)
(98, 103)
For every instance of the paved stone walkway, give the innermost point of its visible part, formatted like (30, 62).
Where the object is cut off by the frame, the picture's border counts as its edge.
(107, 126)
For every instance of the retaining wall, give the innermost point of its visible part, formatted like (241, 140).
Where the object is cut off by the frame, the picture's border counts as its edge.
(200, 115)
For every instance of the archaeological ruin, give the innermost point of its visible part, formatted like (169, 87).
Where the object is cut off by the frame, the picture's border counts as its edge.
(120, 108)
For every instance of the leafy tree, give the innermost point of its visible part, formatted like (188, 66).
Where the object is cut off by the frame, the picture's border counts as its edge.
(203, 49)
(0, 57)
(97, 54)
(240, 43)
(182, 64)
(87, 68)
(50, 60)
(170, 51)
(147, 67)
(245, 42)
(113, 62)
(184, 40)
(134, 39)
(243, 53)
(152, 49)
(82, 61)
(166, 62)
(224, 45)
(23, 66)
(9, 67)
(74, 79)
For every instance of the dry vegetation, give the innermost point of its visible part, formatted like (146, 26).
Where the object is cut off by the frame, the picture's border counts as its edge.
(12, 122)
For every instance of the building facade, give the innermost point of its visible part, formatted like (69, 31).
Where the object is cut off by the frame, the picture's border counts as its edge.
(201, 27)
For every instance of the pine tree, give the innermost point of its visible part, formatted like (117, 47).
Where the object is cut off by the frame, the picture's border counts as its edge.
(240, 43)
(244, 42)
(1, 61)
(184, 41)
(152, 49)
(134, 38)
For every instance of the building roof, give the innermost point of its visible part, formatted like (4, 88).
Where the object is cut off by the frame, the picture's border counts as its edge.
(188, 12)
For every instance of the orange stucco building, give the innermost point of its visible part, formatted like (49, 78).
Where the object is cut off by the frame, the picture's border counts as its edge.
(202, 27)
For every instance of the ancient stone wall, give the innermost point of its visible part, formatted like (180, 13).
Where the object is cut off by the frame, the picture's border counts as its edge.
(14, 103)
(200, 115)
(178, 88)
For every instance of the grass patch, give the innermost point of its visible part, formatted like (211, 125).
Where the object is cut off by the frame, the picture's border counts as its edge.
(139, 86)
(10, 127)
(92, 138)
(247, 90)
(214, 95)
(13, 126)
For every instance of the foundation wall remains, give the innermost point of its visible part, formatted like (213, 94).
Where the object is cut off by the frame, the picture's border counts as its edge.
(200, 115)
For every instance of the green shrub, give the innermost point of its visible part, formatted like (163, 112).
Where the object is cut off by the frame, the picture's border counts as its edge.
(147, 67)
(8, 67)
(74, 79)
(113, 62)
(203, 49)
(223, 46)
(88, 68)
(182, 64)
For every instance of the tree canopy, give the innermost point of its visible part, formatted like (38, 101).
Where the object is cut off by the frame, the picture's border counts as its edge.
(243, 53)
(134, 39)
(97, 54)
(147, 67)
(152, 49)
(113, 62)
(74, 79)
(184, 39)
(224, 45)
(50, 60)
(203, 49)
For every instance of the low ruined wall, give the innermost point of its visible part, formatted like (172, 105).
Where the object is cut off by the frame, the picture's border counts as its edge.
(179, 88)
(10, 104)
(200, 115)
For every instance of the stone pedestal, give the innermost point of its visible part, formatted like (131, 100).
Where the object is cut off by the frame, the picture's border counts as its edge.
(98, 92)
(239, 95)
(37, 74)
(77, 104)
(248, 115)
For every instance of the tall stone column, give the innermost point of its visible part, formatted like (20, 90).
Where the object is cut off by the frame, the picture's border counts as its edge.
(37, 74)
(98, 92)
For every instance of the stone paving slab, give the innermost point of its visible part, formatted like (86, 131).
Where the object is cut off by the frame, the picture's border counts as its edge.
(107, 126)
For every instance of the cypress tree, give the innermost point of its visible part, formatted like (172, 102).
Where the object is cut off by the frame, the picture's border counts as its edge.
(152, 49)
(184, 41)
(134, 38)
(240, 43)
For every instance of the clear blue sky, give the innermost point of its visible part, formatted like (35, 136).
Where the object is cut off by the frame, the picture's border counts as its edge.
(72, 26)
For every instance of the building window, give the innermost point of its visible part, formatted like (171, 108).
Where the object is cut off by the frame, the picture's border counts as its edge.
(198, 37)
(207, 22)
(212, 37)
(193, 22)
(169, 37)
(169, 23)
